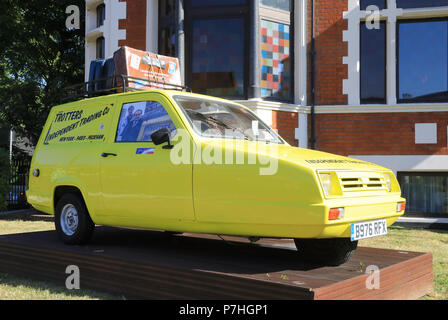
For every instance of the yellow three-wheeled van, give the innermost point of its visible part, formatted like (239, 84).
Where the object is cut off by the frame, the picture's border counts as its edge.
(183, 162)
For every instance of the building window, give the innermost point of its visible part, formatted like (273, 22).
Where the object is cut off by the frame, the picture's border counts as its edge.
(100, 15)
(276, 56)
(373, 64)
(277, 4)
(275, 60)
(218, 56)
(381, 4)
(100, 48)
(167, 28)
(415, 53)
(214, 3)
(408, 4)
(422, 72)
(217, 47)
(426, 193)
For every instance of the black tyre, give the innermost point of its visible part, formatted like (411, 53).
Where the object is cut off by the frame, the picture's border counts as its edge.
(72, 220)
(331, 252)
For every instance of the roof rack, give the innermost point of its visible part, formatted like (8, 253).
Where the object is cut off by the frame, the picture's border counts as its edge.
(116, 84)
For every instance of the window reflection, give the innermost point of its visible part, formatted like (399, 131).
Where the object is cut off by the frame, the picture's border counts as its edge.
(406, 4)
(425, 193)
(278, 4)
(381, 4)
(100, 48)
(373, 64)
(275, 60)
(218, 57)
(423, 61)
(213, 3)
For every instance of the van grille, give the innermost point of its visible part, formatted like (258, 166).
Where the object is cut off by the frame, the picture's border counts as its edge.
(362, 182)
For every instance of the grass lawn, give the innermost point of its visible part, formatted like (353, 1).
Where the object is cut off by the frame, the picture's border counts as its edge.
(420, 240)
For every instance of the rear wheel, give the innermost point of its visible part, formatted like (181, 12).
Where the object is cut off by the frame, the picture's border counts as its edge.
(72, 220)
(332, 252)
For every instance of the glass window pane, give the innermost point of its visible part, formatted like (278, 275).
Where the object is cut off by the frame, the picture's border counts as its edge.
(166, 8)
(141, 119)
(224, 120)
(425, 193)
(406, 4)
(100, 15)
(373, 64)
(218, 57)
(214, 3)
(279, 4)
(381, 4)
(100, 48)
(422, 61)
(275, 60)
(167, 41)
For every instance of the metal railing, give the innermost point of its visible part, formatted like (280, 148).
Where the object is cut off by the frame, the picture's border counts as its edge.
(18, 184)
(116, 84)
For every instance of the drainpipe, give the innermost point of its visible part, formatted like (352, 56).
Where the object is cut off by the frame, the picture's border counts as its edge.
(254, 63)
(180, 37)
(11, 140)
(312, 100)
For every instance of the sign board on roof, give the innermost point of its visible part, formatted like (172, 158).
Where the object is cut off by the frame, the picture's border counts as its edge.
(149, 66)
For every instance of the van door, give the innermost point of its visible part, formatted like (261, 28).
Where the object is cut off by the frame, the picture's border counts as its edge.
(141, 187)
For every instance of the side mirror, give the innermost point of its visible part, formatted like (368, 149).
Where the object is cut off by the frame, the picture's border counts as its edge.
(162, 136)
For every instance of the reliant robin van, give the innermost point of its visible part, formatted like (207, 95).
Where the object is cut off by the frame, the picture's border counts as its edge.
(184, 162)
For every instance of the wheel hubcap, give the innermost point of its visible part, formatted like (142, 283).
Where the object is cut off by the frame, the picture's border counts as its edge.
(69, 219)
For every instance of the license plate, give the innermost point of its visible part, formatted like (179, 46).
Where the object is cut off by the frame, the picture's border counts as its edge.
(368, 229)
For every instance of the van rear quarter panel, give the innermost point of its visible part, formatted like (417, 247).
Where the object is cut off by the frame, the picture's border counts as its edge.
(68, 152)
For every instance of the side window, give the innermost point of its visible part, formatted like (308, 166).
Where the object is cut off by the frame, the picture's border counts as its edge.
(138, 120)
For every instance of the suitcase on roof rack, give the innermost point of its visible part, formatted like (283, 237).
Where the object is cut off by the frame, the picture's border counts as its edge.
(91, 86)
(99, 66)
(109, 73)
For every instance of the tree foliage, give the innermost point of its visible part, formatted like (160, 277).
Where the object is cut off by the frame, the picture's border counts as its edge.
(38, 57)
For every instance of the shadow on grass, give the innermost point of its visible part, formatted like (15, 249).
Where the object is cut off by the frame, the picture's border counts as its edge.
(40, 290)
(31, 215)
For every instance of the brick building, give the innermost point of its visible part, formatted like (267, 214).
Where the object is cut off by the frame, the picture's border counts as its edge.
(376, 87)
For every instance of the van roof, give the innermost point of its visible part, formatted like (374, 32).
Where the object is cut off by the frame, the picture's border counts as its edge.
(137, 93)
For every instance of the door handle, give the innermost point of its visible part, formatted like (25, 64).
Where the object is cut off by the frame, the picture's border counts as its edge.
(105, 154)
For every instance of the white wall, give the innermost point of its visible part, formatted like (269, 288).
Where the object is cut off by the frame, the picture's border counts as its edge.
(408, 162)
(115, 11)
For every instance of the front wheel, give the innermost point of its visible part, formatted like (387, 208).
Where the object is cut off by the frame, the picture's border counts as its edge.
(72, 220)
(332, 252)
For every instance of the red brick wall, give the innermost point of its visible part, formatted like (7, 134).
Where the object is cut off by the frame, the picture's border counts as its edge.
(330, 49)
(379, 133)
(286, 123)
(134, 24)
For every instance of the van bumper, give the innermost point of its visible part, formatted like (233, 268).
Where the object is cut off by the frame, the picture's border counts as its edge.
(358, 210)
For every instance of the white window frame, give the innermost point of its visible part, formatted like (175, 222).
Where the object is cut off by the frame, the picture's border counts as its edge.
(354, 16)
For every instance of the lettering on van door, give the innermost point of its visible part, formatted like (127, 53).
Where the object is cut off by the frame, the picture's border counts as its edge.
(65, 124)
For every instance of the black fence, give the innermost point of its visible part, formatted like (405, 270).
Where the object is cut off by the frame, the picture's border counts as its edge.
(18, 184)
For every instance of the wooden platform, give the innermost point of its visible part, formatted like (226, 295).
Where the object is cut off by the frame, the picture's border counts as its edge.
(154, 265)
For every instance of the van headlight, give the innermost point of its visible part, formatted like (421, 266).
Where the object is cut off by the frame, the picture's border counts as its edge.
(388, 181)
(330, 184)
(325, 180)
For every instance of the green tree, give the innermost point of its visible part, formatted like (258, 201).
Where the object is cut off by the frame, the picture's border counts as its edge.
(38, 57)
